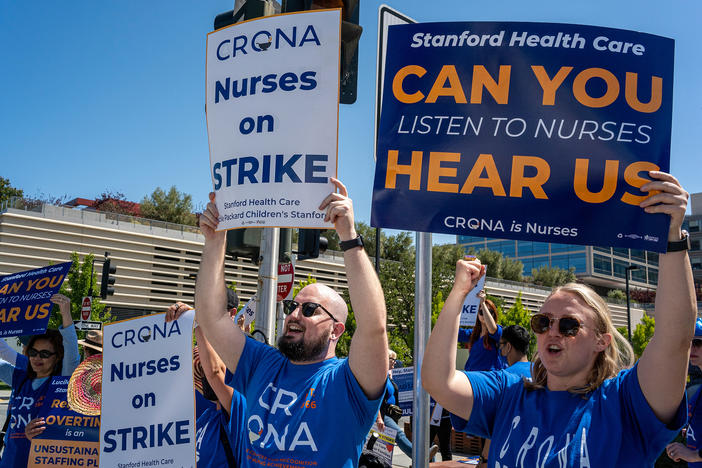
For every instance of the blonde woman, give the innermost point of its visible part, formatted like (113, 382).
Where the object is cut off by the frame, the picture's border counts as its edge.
(585, 406)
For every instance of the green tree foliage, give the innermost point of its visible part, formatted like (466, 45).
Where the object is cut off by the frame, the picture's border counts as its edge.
(7, 191)
(172, 206)
(113, 202)
(518, 314)
(552, 276)
(616, 294)
(642, 334)
(75, 287)
(499, 266)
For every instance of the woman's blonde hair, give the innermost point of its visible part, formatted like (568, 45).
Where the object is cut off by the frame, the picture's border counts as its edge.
(617, 356)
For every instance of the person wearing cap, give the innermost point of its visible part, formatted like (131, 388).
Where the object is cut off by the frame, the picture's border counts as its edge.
(691, 451)
(92, 344)
(298, 394)
(52, 353)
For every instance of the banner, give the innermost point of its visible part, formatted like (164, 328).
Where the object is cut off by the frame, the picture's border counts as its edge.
(272, 118)
(531, 131)
(471, 305)
(148, 410)
(25, 307)
(70, 438)
(404, 379)
(382, 443)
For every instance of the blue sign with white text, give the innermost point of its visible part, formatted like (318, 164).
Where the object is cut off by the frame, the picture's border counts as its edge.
(25, 307)
(533, 131)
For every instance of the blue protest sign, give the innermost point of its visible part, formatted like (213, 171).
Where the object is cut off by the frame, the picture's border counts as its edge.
(70, 438)
(404, 379)
(532, 131)
(25, 307)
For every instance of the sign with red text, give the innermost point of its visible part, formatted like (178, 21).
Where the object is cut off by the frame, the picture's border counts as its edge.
(286, 276)
(534, 131)
(272, 118)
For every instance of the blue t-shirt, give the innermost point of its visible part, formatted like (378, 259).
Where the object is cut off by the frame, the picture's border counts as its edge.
(237, 427)
(613, 426)
(693, 435)
(520, 368)
(389, 393)
(208, 443)
(480, 357)
(24, 405)
(300, 414)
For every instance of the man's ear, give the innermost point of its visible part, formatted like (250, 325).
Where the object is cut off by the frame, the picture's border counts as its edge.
(337, 330)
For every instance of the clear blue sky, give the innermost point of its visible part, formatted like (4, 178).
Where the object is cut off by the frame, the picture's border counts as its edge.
(100, 95)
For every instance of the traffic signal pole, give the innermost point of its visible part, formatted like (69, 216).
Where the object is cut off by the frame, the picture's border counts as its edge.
(267, 283)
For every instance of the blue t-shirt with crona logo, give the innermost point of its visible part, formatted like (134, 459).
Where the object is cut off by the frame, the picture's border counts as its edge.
(693, 434)
(612, 426)
(301, 415)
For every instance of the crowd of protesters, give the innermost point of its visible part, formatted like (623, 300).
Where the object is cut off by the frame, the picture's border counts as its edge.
(582, 401)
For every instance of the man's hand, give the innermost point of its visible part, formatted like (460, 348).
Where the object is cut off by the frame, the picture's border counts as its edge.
(209, 220)
(677, 451)
(340, 211)
(468, 272)
(176, 310)
(671, 199)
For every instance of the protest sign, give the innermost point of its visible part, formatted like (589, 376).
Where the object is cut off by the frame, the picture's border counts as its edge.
(272, 118)
(382, 443)
(148, 410)
(70, 438)
(25, 307)
(404, 379)
(469, 311)
(531, 131)
(248, 311)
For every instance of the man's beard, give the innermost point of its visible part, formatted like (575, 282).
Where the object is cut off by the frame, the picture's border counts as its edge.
(302, 352)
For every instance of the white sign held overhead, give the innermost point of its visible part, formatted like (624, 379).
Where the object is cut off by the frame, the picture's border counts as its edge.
(469, 312)
(272, 118)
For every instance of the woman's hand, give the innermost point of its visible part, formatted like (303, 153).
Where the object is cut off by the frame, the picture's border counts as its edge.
(34, 427)
(677, 451)
(64, 305)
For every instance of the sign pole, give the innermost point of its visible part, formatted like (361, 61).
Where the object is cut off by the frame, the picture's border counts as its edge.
(268, 283)
(422, 327)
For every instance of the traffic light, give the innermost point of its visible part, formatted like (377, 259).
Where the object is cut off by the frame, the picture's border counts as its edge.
(244, 243)
(310, 244)
(107, 280)
(350, 35)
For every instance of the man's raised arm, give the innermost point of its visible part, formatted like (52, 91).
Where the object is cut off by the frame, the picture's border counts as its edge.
(369, 344)
(211, 295)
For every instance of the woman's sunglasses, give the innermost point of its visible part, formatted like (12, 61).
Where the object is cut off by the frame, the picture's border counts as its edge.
(308, 309)
(567, 325)
(44, 354)
(697, 342)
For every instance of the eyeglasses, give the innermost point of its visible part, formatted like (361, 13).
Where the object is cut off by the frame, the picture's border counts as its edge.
(308, 309)
(44, 354)
(697, 342)
(393, 361)
(567, 325)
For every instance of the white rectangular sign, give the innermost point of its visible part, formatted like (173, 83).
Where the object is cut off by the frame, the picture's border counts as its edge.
(148, 409)
(272, 118)
(469, 312)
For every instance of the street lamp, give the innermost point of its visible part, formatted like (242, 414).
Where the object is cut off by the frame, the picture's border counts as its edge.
(628, 307)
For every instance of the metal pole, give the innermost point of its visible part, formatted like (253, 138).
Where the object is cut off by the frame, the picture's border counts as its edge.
(628, 307)
(267, 283)
(422, 326)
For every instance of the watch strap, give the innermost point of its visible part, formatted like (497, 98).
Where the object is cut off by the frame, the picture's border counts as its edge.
(351, 243)
(682, 244)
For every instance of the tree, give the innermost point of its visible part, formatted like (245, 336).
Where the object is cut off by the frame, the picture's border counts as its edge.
(499, 266)
(172, 207)
(519, 315)
(115, 202)
(7, 191)
(616, 295)
(552, 276)
(75, 287)
(642, 334)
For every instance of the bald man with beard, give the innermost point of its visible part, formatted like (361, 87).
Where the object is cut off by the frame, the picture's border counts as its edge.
(305, 406)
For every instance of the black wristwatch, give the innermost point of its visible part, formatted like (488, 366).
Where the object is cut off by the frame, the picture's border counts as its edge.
(352, 243)
(682, 244)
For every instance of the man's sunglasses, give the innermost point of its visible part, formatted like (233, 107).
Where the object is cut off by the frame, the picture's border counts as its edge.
(308, 309)
(567, 325)
(44, 354)
(697, 342)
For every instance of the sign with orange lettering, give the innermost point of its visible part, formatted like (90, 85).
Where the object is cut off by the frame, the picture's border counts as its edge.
(532, 131)
(25, 305)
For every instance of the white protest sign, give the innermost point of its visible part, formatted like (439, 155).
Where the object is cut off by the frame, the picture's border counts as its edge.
(382, 443)
(469, 312)
(148, 409)
(272, 118)
(248, 311)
